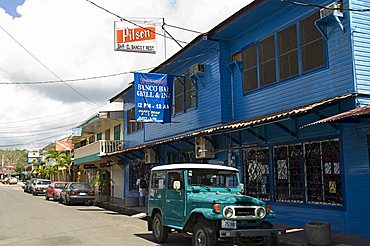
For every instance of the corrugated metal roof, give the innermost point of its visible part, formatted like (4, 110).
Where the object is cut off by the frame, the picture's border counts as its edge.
(361, 111)
(238, 124)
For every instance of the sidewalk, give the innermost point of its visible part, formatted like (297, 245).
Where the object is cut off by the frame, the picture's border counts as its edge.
(290, 235)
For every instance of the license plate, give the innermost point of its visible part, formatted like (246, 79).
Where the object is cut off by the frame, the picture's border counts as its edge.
(228, 224)
(83, 194)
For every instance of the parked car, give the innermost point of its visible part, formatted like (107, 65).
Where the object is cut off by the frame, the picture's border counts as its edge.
(13, 180)
(54, 189)
(6, 180)
(39, 186)
(29, 184)
(206, 200)
(76, 192)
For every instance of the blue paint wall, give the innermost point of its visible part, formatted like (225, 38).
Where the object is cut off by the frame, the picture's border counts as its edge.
(360, 29)
(336, 79)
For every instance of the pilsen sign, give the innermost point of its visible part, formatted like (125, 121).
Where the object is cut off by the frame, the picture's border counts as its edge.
(134, 39)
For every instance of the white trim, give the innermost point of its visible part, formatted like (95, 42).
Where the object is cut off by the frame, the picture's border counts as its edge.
(193, 166)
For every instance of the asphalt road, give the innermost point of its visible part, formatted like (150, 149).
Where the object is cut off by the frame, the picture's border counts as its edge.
(29, 220)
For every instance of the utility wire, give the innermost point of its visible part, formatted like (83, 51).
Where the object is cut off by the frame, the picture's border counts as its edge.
(29, 143)
(64, 116)
(182, 28)
(42, 64)
(133, 23)
(97, 77)
(34, 135)
(324, 7)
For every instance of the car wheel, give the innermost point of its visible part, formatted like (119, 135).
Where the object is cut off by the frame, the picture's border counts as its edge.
(66, 201)
(203, 235)
(160, 232)
(55, 198)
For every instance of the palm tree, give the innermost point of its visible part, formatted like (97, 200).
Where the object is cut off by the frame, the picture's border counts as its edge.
(50, 172)
(66, 161)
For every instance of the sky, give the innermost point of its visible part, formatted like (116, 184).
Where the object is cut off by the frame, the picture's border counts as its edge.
(59, 40)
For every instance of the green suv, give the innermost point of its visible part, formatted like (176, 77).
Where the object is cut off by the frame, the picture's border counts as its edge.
(206, 200)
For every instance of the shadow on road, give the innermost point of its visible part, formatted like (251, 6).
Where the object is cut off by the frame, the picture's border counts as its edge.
(174, 239)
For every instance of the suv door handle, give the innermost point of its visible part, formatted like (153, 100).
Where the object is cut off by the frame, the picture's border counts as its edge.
(168, 201)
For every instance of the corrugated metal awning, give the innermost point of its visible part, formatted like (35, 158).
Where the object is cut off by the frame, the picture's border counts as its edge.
(270, 118)
(353, 113)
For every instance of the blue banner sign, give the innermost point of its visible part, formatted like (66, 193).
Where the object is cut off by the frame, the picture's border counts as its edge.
(153, 97)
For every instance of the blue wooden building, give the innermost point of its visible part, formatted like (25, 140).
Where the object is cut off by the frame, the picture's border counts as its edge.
(271, 91)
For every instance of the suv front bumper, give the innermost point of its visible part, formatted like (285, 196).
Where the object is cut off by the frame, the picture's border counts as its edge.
(248, 233)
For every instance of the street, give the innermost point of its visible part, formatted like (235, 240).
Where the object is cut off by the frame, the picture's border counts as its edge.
(30, 220)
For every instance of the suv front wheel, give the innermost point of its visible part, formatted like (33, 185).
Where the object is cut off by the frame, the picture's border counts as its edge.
(203, 235)
(160, 232)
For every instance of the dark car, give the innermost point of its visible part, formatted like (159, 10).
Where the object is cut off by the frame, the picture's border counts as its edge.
(54, 189)
(76, 192)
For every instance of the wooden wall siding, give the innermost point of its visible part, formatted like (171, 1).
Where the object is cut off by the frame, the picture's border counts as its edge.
(360, 22)
(208, 111)
(225, 101)
(357, 177)
(336, 79)
(133, 138)
(295, 215)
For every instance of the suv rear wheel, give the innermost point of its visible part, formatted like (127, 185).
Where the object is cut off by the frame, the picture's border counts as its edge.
(160, 232)
(203, 235)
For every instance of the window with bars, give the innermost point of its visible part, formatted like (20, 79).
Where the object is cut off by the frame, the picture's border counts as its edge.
(288, 173)
(256, 172)
(132, 125)
(308, 173)
(135, 170)
(278, 55)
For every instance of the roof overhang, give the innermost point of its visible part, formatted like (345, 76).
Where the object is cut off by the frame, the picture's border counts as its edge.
(236, 125)
(350, 116)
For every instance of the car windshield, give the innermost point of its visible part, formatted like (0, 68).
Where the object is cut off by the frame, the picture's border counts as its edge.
(80, 186)
(44, 182)
(59, 185)
(212, 178)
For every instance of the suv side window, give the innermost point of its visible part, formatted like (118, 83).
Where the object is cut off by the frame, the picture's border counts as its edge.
(175, 176)
(158, 180)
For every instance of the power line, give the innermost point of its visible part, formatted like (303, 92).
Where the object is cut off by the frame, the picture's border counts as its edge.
(324, 7)
(97, 77)
(133, 23)
(43, 117)
(34, 135)
(42, 64)
(29, 143)
(182, 28)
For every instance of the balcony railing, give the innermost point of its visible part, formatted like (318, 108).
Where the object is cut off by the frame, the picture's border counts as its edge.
(100, 147)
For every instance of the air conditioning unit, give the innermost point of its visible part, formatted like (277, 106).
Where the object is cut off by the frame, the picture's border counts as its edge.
(204, 148)
(333, 8)
(150, 156)
(196, 68)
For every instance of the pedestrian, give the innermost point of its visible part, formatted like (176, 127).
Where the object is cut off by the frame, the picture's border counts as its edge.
(143, 189)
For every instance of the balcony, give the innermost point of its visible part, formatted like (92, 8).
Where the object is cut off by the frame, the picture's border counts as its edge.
(99, 148)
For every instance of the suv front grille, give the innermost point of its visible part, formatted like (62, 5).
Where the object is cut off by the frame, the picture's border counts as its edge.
(244, 211)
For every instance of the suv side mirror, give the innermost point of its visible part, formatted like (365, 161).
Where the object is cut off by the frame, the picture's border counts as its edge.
(242, 187)
(176, 185)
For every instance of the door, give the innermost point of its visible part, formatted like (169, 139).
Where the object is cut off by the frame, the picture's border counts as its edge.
(174, 208)
(107, 134)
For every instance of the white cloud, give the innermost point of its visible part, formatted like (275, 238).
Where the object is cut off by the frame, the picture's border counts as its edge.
(74, 39)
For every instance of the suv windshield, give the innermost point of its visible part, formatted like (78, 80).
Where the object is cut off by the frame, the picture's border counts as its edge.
(215, 178)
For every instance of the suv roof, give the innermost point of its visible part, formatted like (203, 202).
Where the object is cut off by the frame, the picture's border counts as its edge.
(193, 166)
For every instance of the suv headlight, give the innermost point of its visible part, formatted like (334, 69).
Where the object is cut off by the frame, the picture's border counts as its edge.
(228, 212)
(260, 212)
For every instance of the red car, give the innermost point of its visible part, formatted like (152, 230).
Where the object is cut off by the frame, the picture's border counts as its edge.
(53, 190)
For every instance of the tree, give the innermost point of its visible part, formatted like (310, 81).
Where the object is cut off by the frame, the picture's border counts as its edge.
(50, 172)
(66, 161)
(15, 158)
